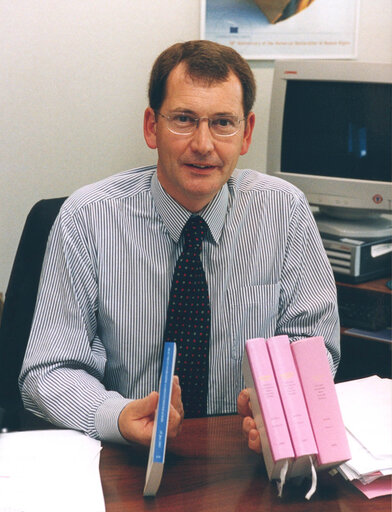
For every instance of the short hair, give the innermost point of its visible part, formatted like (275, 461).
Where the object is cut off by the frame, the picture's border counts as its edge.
(207, 61)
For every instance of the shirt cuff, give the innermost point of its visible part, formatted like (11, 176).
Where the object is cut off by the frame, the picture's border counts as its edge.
(106, 420)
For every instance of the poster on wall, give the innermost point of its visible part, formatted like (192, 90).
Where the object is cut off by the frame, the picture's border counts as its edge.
(276, 29)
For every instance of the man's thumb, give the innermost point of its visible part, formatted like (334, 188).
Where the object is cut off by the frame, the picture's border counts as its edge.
(147, 405)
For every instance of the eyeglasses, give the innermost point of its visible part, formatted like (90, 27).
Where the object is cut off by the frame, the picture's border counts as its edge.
(186, 124)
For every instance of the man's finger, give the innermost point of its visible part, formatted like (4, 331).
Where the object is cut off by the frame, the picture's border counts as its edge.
(243, 403)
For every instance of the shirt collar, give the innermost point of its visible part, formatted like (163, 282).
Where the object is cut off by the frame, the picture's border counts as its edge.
(175, 216)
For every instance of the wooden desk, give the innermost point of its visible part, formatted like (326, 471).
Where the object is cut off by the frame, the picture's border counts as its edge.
(209, 468)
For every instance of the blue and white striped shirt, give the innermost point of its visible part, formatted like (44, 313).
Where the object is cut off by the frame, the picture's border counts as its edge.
(96, 339)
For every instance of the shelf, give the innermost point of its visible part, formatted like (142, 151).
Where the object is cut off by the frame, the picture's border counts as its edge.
(364, 354)
(378, 285)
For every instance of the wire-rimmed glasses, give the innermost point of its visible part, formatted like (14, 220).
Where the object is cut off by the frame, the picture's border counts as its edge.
(182, 123)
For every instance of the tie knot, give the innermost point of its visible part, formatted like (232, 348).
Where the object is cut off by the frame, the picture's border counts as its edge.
(194, 232)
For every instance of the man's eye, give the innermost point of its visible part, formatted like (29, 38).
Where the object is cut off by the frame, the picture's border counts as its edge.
(224, 122)
(183, 119)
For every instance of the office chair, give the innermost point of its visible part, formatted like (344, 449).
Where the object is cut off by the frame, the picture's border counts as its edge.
(19, 306)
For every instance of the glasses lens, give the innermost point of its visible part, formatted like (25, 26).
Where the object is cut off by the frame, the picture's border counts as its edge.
(182, 123)
(225, 125)
(185, 124)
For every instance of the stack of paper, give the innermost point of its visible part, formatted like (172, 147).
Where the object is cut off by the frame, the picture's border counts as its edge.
(49, 470)
(366, 406)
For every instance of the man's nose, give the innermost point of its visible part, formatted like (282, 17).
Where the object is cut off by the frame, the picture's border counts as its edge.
(202, 139)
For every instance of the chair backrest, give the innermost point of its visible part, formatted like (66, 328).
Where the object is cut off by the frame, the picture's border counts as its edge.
(20, 302)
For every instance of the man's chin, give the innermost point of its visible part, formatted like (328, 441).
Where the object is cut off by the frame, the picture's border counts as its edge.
(201, 195)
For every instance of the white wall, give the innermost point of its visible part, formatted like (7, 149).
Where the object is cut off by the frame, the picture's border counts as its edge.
(73, 81)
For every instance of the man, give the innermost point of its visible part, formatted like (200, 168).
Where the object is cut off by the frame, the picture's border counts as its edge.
(94, 354)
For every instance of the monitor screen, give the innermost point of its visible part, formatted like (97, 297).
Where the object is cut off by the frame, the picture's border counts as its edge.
(330, 134)
(339, 129)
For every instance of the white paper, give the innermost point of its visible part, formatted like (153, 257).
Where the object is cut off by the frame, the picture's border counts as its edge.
(362, 462)
(366, 406)
(50, 470)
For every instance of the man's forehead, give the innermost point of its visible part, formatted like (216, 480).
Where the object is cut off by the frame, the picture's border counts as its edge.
(183, 72)
(184, 90)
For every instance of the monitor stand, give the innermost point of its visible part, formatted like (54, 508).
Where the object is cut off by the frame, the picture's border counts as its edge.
(375, 227)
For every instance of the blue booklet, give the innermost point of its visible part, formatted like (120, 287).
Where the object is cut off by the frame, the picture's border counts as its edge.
(156, 458)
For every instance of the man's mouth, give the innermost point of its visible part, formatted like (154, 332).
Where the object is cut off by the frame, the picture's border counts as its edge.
(200, 166)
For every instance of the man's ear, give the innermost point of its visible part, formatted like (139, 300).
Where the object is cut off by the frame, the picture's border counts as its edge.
(250, 124)
(149, 128)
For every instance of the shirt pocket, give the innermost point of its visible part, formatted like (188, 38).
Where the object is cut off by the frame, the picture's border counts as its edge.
(253, 313)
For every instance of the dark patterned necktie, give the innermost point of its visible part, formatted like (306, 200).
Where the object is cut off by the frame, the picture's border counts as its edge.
(188, 320)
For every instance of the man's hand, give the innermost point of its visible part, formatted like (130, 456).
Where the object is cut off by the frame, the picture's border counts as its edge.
(248, 424)
(136, 420)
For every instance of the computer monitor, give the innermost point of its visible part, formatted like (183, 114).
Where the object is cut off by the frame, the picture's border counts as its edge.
(330, 134)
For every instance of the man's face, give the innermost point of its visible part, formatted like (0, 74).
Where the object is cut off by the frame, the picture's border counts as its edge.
(192, 168)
